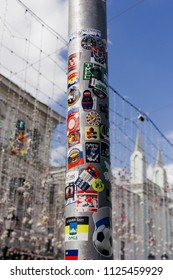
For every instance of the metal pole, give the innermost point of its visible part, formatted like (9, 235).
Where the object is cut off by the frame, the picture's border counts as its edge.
(88, 211)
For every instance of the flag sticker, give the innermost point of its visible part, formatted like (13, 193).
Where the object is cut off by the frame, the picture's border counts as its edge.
(76, 229)
(71, 255)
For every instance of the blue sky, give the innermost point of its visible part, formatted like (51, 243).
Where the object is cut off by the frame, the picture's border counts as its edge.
(140, 52)
(140, 48)
(141, 56)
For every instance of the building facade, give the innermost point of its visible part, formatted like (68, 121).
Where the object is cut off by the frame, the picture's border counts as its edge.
(32, 191)
(142, 210)
(26, 129)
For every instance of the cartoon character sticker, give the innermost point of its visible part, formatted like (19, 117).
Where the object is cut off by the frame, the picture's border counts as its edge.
(92, 152)
(87, 100)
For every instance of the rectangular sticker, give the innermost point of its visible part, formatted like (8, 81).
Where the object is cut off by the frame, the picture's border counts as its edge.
(71, 255)
(92, 152)
(105, 151)
(73, 60)
(76, 229)
(87, 201)
(87, 177)
(92, 133)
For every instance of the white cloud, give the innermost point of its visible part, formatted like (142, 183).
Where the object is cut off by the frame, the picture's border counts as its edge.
(30, 53)
(58, 156)
(170, 136)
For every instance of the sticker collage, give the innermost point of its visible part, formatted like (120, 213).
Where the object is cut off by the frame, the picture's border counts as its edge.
(88, 164)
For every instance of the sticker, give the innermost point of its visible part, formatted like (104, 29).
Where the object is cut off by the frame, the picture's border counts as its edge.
(73, 60)
(104, 109)
(73, 96)
(73, 139)
(85, 32)
(102, 236)
(92, 152)
(104, 132)
(98, 56)
(106, 170)
(73, 79)
(88, 42)
(73, 121)
(93, 118)
(71, 254)
(92, 133)
(105, 152)
(92, 70)
(71, 176)
(76, 228)
(87, 201)
(87, 100)
(69, 194)
(75, 158)
(87, 177)
(99, 88)
(98, 185)
(101, 44)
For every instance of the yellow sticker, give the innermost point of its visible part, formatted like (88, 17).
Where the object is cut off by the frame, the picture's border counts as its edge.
(98, 185)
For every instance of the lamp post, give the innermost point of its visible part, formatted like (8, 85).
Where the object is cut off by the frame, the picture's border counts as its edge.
(88, 208)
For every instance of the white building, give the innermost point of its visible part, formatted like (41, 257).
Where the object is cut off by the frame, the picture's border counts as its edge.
(142, 211)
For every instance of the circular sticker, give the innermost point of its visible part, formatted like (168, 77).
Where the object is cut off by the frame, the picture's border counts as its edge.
(88, 42)
(73, 96)
(74, 157)
(98, 185)
(93, 118)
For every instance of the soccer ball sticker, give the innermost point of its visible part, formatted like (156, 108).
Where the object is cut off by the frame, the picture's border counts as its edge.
(102, 236)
